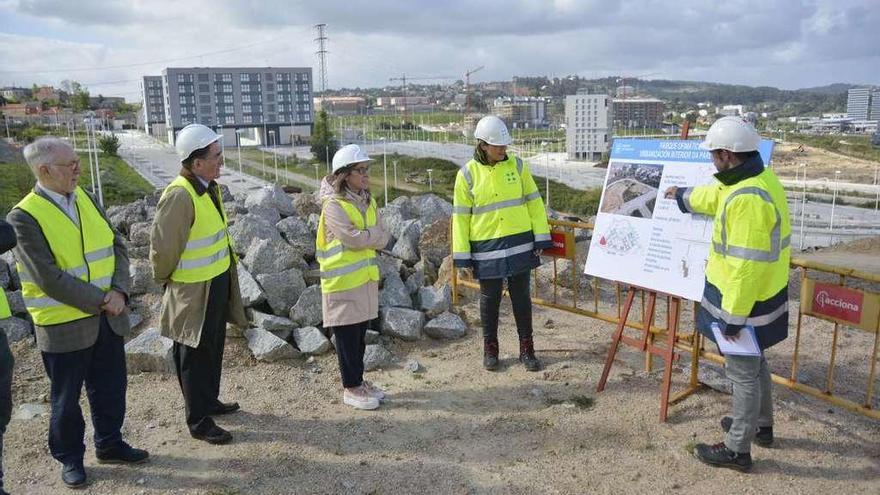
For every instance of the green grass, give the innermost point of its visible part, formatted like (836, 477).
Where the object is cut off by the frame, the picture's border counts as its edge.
(121, 184)
(854, 146)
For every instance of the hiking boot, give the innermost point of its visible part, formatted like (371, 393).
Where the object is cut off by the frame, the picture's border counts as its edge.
(73, 474)
(490, 355)
(527, 355)
(763, 437)
(359, 398)
(719, 455)
(374, 391)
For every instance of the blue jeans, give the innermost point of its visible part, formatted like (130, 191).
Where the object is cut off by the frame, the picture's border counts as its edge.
(102, 368)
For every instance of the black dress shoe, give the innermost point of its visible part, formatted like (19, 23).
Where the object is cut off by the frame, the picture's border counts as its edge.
(73, 474)
(121, 453)
(212, 434)
(224, 408)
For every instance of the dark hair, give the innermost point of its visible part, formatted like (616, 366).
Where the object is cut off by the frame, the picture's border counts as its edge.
(339, 177)
(480, 153)
(199, 153)
(745, 155)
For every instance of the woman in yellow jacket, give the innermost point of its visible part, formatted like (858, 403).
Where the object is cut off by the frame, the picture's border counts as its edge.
(499, 228)
(349, 233)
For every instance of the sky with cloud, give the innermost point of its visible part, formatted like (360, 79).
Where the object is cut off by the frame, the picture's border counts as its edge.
(109, 44)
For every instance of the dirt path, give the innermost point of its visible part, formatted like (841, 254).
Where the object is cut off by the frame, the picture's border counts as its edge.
(453, 429)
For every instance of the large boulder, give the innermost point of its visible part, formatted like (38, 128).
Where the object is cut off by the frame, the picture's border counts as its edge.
(297, 233)
(251, 292)
(15, 328)
(282, 289)
(306, 205)
(150, 351)
(268, 214)
(431, 207)
(266, 256)
(139, 233)
(141, 272)
(249, 227)
(16, 302)
(394, 293)
(434, 241)
(407, 245)
(307, 311)
(272, 323)
(5, 276)
(311, 341)
(388, 265)
(415, 281)
(268, 347)
(434, 301)
(272, 197)
(446, 326)
(396, 214)
(376, 356)
(405, 324)
(122, 217)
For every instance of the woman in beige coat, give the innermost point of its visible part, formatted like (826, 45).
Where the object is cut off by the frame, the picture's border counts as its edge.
(349, 233)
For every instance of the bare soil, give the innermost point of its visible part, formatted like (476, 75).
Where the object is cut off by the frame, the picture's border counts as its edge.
(456, 428)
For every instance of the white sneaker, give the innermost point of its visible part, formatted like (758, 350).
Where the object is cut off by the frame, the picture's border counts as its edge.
(359, 398)
(374, 391)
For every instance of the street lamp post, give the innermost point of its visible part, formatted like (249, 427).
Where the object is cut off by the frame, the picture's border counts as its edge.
(394, 162)
(833, 202)
(222, 145)
(385, 168)
(238, 140)
(877, 186)
(430, 180)
(546, 170)
(803, 203)
(274, 153)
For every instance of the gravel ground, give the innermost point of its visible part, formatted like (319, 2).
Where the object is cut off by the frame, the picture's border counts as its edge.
(455, 428)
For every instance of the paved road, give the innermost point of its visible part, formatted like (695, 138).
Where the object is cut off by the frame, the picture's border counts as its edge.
(158, 163)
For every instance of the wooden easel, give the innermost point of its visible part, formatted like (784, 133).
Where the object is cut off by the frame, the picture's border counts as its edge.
(646, 344)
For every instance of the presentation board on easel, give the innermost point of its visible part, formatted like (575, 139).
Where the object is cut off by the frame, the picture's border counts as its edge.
(640, 237)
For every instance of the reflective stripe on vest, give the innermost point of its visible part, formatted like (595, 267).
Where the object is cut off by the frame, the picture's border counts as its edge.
(776, 244)
(83, 251)
(342, 268)
(207, 251)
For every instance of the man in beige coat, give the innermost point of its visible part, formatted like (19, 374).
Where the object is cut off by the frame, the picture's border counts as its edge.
(200, 279)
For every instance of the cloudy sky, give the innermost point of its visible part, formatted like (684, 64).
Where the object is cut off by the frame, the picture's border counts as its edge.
(109, 44)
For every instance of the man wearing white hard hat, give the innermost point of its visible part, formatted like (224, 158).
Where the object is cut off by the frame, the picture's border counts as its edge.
(349, 233)
(499, 228)
(193, 259)
(746, 290)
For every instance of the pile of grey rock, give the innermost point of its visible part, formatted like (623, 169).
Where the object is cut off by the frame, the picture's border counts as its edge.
(274, 238)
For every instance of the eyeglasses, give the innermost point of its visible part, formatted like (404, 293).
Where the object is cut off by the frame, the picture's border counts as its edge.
(361, 170)
(70, 164)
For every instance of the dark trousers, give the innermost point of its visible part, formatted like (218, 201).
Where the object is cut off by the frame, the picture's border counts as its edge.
(199, 368)
(6, 363)
(350, 345)
(490, 302)
(102, 368)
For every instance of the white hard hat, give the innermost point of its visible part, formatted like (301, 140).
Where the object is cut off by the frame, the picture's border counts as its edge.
(347, 155)
(194, 137)
(732, 134)
(492, 130)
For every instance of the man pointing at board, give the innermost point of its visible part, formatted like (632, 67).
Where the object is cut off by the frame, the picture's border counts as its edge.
(746, 279)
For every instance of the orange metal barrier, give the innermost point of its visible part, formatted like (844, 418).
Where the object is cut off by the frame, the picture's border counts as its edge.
(557, 297)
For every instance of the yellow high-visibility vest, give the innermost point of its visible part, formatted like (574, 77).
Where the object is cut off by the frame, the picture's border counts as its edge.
(208, 248)
(4, 306)
(751, 235)
(343, 268)
(498, 217)
(84, 252)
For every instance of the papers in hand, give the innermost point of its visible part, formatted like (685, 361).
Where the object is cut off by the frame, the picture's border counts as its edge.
(742, 344)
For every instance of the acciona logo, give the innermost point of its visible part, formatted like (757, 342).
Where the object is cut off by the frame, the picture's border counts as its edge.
(824, 299)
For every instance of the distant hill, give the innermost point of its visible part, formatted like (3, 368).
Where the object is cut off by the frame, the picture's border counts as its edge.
(830, 89)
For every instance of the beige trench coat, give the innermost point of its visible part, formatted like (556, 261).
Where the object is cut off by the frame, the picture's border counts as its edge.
(184, 304)
(361, 303)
